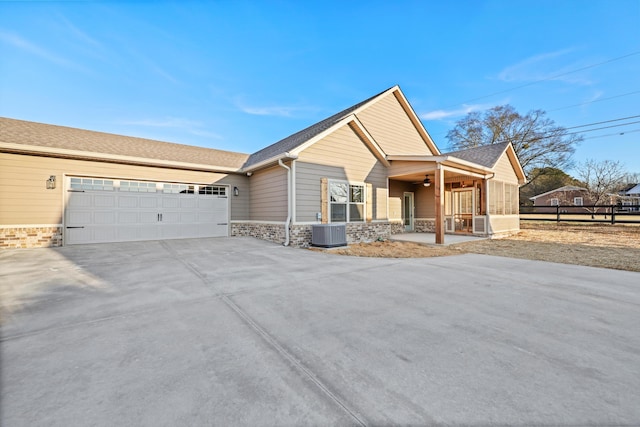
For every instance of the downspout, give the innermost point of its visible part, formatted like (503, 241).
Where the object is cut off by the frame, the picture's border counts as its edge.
(288, 221)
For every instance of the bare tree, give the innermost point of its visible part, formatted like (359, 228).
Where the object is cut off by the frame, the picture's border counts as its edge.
(601, 179)
(537, 140)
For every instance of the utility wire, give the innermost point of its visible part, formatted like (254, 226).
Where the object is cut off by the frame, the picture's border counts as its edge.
(614, 134)
(595, 100)
(606, 121)
(555, 76)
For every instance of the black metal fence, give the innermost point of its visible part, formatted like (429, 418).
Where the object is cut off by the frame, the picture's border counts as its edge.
(612, 214)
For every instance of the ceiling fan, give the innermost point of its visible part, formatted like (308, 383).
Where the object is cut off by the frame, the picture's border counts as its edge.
(426, 182)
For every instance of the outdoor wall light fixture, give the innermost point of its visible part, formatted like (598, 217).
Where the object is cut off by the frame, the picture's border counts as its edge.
(51, 182)
(236, 192)
(426, 182)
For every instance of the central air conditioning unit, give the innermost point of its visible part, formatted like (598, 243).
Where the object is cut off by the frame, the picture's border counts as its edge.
(329, 235)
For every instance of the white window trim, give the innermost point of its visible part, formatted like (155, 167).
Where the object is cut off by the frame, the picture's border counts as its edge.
(554, 202)
(578, 199)
(364, 200)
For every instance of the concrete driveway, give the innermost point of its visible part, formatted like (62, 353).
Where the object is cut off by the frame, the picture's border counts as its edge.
(237, 331)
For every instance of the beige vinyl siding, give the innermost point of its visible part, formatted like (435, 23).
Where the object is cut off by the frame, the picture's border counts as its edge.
(425, 201)
(269, 195)
(504, 170)
(402, 167)
(341, 155)
(504, 224)
(389, 125)
(24, 198)
(396, 194)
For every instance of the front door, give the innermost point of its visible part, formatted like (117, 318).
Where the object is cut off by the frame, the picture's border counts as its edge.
(463, 211)
(408, 209)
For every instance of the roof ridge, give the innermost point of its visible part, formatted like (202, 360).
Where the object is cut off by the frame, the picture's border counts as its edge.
(298, 138)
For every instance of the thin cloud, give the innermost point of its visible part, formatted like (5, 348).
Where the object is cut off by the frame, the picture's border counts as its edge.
(272, 110)
(448, 114)
(186, 125)
(28, 47)
(542, 67)
(280, 111)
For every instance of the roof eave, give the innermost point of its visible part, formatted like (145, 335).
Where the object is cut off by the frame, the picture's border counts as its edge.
(268, 162)
(111, 158)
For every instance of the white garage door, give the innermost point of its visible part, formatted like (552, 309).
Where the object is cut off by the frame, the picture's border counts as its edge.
(108, 210)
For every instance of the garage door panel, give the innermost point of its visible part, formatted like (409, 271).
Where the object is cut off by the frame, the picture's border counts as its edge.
(128, 217)
(148, 202)
(79, 218)
(103, 234)
(80, 200)
(103, 217)
(103, 201)
(170, 201)
(127, 201)
(109, 215)
(188, 203)
(188, 217)
(148, 217)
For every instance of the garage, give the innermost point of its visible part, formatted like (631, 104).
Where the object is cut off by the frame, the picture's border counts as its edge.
(100, 210)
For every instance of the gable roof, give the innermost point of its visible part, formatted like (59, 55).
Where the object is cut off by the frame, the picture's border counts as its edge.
(566, 188)
(486, 155)
(631, 189)
(297, 140)
(25, 136)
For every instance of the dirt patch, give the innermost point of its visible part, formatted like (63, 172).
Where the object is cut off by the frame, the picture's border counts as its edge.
(608, 246)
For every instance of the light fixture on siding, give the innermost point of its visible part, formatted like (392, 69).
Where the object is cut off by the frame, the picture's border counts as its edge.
(51, 182)
(427, 181)
(236, 192)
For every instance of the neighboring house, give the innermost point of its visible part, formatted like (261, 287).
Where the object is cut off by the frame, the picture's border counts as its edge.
(630, 197)
(569, 195)
(365, 167)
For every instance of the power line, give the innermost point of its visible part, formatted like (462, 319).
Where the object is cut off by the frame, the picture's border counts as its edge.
(555, 76)
(613, 134)
(595, 100)
(606, 121)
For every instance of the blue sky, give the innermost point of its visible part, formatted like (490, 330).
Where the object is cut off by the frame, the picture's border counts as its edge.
(240, 75)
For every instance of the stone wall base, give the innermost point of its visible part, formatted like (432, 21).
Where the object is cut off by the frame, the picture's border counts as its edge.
(30, 237)
(300, 235)
(270, 232)
(425, 225)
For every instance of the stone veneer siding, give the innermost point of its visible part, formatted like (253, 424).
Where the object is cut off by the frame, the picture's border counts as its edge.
(300, 235)
(397, 227)
(270, 232)
(425, 225)
(30, 237)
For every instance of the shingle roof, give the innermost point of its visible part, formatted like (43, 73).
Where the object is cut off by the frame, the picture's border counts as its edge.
(486, 155)
(293, 141)
(60, 137)
(559, 190)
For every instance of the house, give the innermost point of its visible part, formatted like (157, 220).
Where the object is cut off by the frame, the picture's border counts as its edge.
(629, 197)
(569, 195)
(372, 167)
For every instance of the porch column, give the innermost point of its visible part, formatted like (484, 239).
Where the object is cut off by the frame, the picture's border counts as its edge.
(439, 204)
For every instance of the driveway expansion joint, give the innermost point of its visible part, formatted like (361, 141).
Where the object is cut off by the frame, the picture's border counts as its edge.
(293, 360)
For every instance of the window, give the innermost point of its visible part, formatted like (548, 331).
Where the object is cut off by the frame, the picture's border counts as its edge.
(510, 199)
(178, 188)
(346, 202)
(212, 190)
(554, 202)
(577, 201)
(138, 186)
(496, 198)
(503, 198)
(91, 184)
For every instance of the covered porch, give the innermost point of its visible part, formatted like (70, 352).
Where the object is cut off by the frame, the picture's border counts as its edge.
(438, 195)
